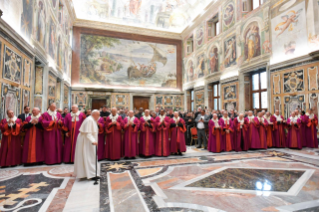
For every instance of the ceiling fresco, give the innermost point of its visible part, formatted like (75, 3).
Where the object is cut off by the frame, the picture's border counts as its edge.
(165, 15)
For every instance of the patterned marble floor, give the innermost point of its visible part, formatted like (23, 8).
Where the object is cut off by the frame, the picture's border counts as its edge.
(271, 180)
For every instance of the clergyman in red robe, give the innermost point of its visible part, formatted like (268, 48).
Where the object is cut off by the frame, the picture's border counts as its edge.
(131, 126)
(147, 139)
(33, 140)
(311, 129)
(71, 125)
(10, 150)
(162, 123)
(269, 129)
(113, 128)
(261, 125)
(214, 136)
(101, 138)
(226, 125)
(279, 130)
(178, 130)
(241, 133)
(253, 132)
(293, 138)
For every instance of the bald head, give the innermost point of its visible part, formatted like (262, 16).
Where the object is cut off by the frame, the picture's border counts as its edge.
(215, 116)
(96, 115)
(52, 106)
(10, 113)
(176, 114)
(75, 108)
(277, 112)
(35, 111)
(131, 113)
(147, 112)
(114, 111)
(241, 115)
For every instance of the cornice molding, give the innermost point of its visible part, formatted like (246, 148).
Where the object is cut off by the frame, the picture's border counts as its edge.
(71, 10)
(126, 29)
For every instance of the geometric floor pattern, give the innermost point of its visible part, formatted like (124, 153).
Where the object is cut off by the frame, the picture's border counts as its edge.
(271, 180)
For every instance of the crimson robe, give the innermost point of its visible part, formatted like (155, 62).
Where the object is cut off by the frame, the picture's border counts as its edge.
(269, 130)
(302, 132)
(72, 128)
(279, 134)
(253, 134)
(130, 138)
(53, 146)
(33, 142)
(311, 132)
(214, 138)
(147, 138)
(178, 136)
(241, 135)
(10, 149)
(293, 138)
(113, 147)
(226, 138)
(162, 147)
(261, 143)
(101, 139)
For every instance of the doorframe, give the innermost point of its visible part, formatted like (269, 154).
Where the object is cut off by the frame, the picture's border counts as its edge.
(151, 102)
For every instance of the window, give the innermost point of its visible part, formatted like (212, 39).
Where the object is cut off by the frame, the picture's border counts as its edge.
(192, 100)
(216, 96)
(249, 5)
(213, 26)
(256, 3)
(259, 91)
(190, 44)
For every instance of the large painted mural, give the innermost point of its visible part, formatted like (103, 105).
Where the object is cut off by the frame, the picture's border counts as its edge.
(120, 62)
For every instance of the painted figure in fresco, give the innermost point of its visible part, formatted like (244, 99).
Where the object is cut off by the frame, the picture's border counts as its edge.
(252, 43)
(41, 24)
(289, 19)
(135, 6)
(229, 14)
(213, 59)
(59, 52)
(54, 3)
(52, 42)
(290, 47)
(190, 72)
(230, 53)
(201, 66)
(12, 66)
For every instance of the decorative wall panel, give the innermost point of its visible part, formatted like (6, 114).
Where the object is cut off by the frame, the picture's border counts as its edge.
(120, 100)
(38, 89)
(25, 98)
(174, 102)
(80, 98)
(51, 89)
(229, 95)
(10, 99)
(313, 78)
(12, 65)
(38, 102)
(27, 70)
(293, 81)
(66, 96)
(199, 99)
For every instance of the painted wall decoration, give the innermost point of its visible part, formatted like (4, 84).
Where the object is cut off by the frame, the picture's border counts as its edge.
(38, 88)
(168, 100)
(174, 102)
(58, 92)
(27, 72)
(313, 79)
(12, 65)
(289, 35)
(66, 96)
(277, 104)
(230, 52)
(230, 92)
(292, 103)
(41, 23)
(178, 101)
(213, 60)
(313, 103)
(228, 15)
(51, 89)
(27, 18)
(199, 99)
(120, 100)
(199, 36)
(230, 95)
(201, 66)
(190, 71)
(252, 41)
(52, 39)
(59, 52)
(66, 59)
(80, 98)
(25, 98)
(276, 83)
(293, 81)
(38, 102)
(10, 99)
(159, 100)
(121, 62)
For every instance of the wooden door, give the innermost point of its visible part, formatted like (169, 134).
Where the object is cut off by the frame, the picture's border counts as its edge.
(139, 102)
(98, 103)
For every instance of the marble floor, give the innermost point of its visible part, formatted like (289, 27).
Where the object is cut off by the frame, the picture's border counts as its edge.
(269, 180)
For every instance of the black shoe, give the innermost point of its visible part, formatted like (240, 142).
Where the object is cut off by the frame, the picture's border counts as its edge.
(95, 178)
(198, 147)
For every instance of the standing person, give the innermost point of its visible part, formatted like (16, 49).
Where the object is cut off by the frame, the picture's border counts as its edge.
(85, 161)
(140, 113)
(122, 114)
(101, 138)
(270, 129)
(65, 112)
(200, 120)
(214, 136)
(178, 135)
(170, 114)
(232, 115)
(147, 139)
(71, 125)
(241, 126)
(162, 123)
(113, 128)
(52, 123)
(24, 115)
(10, 149)
(311, 129)
(293, 138)
(131, 126)
(33, 141)
(226, 125)
(261, 125)
(104, 113)
(279, 131)
(88, 112)
(189, 122)
(253, 131)
(199, 111)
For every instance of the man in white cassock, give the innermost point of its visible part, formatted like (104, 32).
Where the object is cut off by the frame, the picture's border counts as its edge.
(85, 152)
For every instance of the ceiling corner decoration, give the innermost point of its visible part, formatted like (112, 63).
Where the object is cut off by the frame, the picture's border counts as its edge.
(163, 15)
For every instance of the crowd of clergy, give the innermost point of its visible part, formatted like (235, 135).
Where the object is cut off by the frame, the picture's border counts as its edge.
(51, 137)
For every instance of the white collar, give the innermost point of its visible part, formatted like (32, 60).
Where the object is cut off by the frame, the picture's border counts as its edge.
(14, 118)
(35, 117)
(215, 120)
(260, 119)
(176, 119)
(113, 118)
(294, 119)
(251, 117)
(131, 119)
(51, 113)
(75, 114)
(146, 118)
(241, 121)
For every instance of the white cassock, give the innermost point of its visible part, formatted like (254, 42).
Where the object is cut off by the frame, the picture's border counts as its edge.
(85, 155)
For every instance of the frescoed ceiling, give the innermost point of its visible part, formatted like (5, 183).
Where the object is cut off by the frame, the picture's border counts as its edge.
(165, 15)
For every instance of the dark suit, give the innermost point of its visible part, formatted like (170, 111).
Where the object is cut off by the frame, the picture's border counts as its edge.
(189, 122)
(24, 116)
(104, 114)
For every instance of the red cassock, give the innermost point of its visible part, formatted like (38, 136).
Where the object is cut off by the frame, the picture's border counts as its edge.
(147, 137)
(311, 132)
(178, 136)
(226, 138)
(101, 138)
(270, 129)
(279, 134)
(10, 150)
(253, 134)
(113, 147)
(261, 125)
(33, 142)
(130, 137)
(53, 145)
(303, 127)
(71, 125)
(162, 147)
(241, 134)
(293, 138)
(214, 137)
